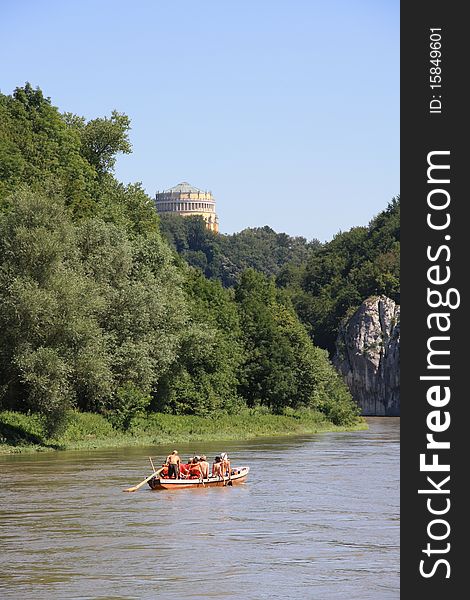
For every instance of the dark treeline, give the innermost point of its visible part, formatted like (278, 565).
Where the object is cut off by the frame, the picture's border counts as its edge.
(97, 312)
(225, 257)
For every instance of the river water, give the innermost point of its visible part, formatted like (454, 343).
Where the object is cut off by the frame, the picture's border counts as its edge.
(317, 519)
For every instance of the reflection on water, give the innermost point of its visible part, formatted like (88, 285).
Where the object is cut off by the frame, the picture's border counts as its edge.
(317, 519)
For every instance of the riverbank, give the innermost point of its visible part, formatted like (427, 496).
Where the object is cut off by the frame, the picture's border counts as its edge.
(87, 431)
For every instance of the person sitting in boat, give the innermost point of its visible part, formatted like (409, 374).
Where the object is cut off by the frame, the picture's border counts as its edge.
(173, 461)
(184, 470)
(195, 469)
(226, 468)
(217, 467)
(204, 467)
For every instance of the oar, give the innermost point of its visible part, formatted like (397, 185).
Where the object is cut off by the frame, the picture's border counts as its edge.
(136, 487)
(151, 462)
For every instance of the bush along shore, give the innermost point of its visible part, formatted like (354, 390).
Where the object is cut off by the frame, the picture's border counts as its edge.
(86, 431)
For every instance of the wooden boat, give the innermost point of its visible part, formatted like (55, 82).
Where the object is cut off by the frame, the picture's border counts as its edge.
(238, 475)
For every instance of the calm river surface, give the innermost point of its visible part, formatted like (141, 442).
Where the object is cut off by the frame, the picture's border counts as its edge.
(317, 519)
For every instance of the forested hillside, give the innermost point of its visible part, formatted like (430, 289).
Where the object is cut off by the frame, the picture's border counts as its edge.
(340, 275)
(326, 282)
(225, 257)
(98, 314)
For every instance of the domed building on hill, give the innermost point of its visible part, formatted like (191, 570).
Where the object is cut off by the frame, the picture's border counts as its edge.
(186, 200)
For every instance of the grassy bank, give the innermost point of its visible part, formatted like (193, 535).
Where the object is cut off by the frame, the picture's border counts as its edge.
(84, 431)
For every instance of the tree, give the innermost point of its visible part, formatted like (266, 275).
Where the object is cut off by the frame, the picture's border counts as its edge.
(225, 257)
(37, 146)
(90, 316)
(127, 206)
(204, 378)
(102, 139)
(281, 368)
(48, 308)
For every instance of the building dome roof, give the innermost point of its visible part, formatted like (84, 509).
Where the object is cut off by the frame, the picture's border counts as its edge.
(184, 186)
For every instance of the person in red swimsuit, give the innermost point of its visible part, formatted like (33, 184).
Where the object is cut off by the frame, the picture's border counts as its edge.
(184, 470)
(195, 469)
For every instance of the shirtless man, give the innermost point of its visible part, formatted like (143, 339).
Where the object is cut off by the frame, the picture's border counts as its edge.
(204, 467)
(173, 462)
(226, 467)
(216, 467)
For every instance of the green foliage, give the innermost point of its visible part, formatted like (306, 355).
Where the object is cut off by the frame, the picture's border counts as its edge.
(36, 145)
(282, 369)
(204, 378)
(25, 433)
(323, 281)
(340, 275)
(127, 206)
(129, 403)
(225, 257)
(102, 139)
(84, 309)
(40, 147)
(87, 427)
(97, 314)
(21, 430)
(264, 250)
(44, 375)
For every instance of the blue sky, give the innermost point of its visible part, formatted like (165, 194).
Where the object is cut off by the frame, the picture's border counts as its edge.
(287, 111)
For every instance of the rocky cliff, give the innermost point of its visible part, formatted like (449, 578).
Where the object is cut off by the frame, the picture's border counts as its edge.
(368, 356)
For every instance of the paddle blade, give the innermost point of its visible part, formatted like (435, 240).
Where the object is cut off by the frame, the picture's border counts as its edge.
(139, 485)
